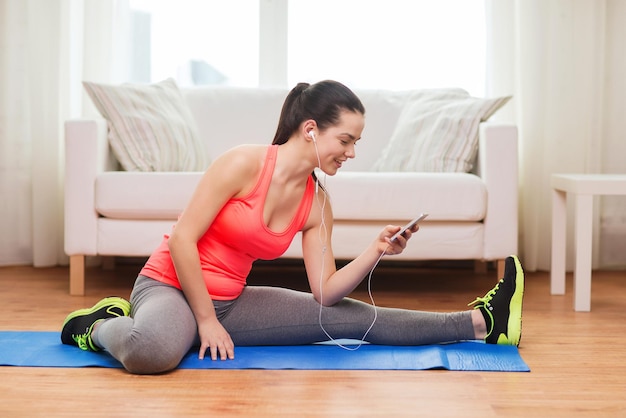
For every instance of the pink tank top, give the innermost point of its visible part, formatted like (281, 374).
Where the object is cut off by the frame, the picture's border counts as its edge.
(237, 237)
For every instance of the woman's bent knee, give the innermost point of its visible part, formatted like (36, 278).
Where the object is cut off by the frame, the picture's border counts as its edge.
(145, 356)
(141, 362)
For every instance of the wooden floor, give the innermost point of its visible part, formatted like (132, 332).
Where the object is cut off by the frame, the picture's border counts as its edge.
(577, 360)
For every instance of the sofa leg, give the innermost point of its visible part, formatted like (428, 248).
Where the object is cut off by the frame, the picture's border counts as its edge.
(77, 275)
(500, 269)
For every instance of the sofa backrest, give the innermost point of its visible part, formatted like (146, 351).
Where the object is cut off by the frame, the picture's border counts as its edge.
(230, 116)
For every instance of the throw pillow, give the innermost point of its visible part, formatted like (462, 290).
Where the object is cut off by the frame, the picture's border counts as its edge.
(150, 126)
(437, 131)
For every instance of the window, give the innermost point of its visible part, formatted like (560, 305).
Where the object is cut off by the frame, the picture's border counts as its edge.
(195, 42)
(390, 44)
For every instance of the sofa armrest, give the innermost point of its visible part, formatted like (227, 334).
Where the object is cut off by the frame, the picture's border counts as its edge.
(86, 154)
(498, 167)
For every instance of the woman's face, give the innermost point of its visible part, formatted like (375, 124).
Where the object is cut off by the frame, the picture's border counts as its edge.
(336, 144)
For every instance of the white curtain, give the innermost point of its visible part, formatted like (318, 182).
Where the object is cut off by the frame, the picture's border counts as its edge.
(563, 61)
(47, 47)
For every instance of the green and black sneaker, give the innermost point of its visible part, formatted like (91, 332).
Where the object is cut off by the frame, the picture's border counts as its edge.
(78, 325)
(502, 306)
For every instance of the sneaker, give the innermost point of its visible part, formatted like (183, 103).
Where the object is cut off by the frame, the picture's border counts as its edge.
(502, 306)
(78, 325)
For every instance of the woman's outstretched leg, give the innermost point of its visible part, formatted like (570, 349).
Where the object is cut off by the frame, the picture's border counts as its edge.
(275, 316)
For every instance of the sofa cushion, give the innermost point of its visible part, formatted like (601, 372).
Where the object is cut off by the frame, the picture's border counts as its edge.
(403, 196)
(150, 126)
(135, 195)
(437, 131)
(355, 196)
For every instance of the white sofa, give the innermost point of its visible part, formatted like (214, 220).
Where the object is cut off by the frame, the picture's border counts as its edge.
(118, 213)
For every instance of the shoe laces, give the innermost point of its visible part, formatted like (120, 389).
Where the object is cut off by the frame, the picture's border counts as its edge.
(486, 300)
(82, 340)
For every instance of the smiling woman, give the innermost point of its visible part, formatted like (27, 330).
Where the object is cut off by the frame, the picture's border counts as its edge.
(250, 204)
(391, 44)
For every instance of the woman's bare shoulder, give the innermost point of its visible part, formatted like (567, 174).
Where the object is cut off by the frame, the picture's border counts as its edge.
(243, 157)
(238, 168)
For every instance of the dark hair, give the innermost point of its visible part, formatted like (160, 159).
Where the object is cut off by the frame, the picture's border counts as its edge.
(322, 102)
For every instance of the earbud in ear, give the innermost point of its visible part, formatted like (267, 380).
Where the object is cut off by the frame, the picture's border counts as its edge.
(312, 135)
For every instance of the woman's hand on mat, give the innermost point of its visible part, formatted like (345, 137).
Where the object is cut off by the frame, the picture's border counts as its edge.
(216, 339)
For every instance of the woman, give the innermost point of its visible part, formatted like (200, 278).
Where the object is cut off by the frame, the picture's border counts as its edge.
(249, 205)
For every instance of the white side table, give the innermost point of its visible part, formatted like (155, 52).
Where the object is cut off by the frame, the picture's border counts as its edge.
(582, 187)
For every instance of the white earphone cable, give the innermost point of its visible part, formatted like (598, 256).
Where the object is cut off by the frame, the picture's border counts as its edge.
(323, 235)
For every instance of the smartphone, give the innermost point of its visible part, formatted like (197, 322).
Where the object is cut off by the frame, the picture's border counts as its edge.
(408, 226)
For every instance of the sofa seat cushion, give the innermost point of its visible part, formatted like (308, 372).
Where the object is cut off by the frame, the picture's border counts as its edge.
(355, 196)
(403, 196)
(138, 195)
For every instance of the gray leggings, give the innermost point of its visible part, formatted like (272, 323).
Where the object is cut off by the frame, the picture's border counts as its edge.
(161, 328)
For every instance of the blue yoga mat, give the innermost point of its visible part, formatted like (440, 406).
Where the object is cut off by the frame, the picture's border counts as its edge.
(44, 349)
